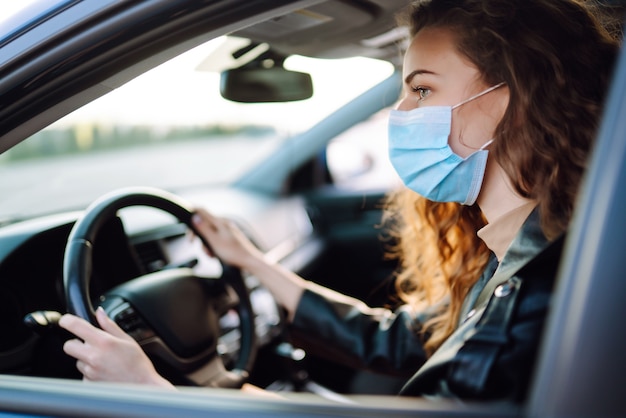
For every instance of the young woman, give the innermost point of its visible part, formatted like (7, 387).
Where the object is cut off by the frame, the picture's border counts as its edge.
(501, 103)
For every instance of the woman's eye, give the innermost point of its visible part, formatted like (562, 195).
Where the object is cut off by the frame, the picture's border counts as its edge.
(422, 92)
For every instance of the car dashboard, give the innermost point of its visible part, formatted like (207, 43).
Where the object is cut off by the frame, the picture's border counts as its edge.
(139, 240)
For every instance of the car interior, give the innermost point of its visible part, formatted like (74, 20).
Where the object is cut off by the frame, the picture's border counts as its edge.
(289, 208)
(130, 247)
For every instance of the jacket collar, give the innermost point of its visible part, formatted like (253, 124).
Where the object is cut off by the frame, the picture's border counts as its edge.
(528, 242)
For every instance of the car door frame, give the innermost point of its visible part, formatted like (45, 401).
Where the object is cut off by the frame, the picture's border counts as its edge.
(582, 367)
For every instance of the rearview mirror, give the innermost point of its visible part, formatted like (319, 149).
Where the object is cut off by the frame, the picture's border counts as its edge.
(262, 85)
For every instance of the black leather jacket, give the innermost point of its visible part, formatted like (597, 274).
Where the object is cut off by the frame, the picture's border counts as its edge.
(490, 355)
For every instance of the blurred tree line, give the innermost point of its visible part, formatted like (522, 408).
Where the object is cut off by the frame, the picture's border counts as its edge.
(89, 138)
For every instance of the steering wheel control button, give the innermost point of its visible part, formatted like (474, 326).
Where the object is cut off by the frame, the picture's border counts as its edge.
(130, 321)
(134, 326)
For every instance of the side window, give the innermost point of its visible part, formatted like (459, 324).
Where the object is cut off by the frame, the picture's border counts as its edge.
(358, 158)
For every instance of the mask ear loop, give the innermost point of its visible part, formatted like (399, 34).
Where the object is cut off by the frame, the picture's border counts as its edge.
(476, 96)
(486, 144)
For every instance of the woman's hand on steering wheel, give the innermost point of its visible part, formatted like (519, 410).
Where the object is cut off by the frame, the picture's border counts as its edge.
(226, 240)
(108, 354)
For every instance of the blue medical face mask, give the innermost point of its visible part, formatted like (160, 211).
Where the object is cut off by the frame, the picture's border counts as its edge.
(422, 157)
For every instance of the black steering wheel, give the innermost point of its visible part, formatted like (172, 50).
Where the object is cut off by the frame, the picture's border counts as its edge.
(173, 314)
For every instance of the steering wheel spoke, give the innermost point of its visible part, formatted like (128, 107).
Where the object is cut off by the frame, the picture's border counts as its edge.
(214, 374)
(226, 299)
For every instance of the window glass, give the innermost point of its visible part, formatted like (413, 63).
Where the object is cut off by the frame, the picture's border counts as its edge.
(170, 128)
(358, 158)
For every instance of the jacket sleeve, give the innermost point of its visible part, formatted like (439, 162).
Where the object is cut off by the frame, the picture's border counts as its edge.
(346, 330)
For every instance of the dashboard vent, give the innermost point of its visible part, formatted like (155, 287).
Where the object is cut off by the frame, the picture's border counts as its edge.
(151, 256)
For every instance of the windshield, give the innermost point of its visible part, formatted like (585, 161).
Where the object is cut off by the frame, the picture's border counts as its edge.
(169, 128)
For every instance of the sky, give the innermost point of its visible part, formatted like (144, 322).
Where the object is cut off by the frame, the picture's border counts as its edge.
(10, 7)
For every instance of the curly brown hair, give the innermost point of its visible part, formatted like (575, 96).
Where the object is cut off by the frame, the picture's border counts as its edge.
(556, 59)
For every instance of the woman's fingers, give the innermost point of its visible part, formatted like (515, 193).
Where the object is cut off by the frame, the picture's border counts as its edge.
(79, 327)
(90, 336)
(227, 241)
(84, 369)
(87, 332)
(108, 325)
(205, 225)
(75, 348)
(107, 354)
(204, 221)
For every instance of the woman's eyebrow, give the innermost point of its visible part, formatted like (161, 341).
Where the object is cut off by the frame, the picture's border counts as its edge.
(409, 78)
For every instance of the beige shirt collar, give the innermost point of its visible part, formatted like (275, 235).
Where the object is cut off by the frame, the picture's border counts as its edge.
(499, 234)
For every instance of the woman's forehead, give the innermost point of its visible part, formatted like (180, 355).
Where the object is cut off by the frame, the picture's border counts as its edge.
(433, 51)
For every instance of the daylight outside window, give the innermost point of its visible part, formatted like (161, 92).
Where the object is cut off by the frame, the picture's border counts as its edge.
(194, 136)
